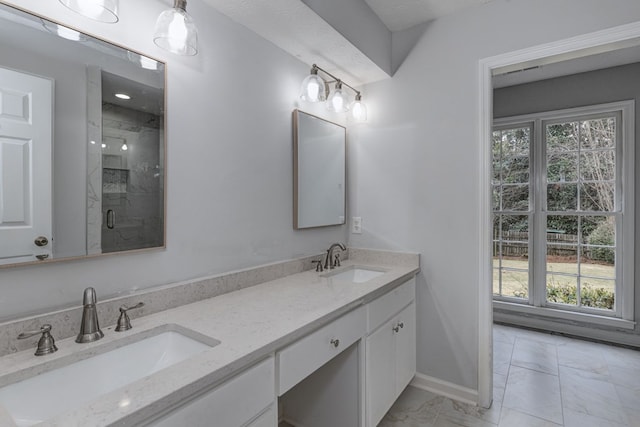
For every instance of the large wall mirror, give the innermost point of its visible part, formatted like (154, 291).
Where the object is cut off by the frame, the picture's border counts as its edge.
(319, 168)
(82, 144)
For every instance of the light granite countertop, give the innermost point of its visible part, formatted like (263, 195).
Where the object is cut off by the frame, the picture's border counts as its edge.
(250, 324)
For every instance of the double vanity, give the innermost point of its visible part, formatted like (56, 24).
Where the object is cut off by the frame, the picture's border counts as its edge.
(312, 348)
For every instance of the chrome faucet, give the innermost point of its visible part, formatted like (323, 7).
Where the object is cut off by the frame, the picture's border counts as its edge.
(89, 328)
(328, 262)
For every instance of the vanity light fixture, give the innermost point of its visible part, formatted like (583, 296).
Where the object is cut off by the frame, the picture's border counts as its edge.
(316, 89)
(175, 30)
(98, 10)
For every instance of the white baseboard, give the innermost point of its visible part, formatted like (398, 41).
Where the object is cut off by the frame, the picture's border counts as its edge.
(445, 388)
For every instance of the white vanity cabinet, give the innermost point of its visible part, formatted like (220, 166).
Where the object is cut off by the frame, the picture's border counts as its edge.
(246, 400)
(348, 372)
(390, 361)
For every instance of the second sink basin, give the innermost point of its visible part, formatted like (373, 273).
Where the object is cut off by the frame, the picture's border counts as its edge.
(355, 274)
(48, 394)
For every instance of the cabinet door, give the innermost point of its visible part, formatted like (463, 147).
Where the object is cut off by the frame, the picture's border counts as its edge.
(380, 372)
(405, 348)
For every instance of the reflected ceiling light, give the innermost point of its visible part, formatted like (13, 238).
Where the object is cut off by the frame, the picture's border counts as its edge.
(64, 32)
(124, 146)
(104, 145)
(148, 63)
(315, 89)
(122, 96)
(175, 30)
(98, 10)
(144, 61)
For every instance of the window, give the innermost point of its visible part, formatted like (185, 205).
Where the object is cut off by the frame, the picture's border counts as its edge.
(562, 206)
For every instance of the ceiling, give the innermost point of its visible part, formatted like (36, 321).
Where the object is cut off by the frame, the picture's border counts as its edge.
(399, 15)
(297, 29)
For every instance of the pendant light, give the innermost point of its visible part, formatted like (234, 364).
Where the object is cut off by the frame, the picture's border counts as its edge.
(98, 10)
(338, 100)
(313, 88)
(358, 110)
(175, 30)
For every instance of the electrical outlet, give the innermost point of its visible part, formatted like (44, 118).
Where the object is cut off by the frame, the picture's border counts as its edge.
(356, 225)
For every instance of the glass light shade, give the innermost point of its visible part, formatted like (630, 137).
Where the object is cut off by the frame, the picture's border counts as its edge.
(176, 32)
(358, 111)
(98, 10)
(312, 89)
(338, 100)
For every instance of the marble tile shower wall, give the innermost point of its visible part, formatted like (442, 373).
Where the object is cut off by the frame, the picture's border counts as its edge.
(66, 323)
(136, 179)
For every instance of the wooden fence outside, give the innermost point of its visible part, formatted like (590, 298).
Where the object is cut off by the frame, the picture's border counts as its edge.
(514, 244)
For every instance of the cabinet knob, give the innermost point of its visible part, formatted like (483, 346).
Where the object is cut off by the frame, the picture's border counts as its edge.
(41, 241)
(396, 328)
(335, 342)
(401, 324)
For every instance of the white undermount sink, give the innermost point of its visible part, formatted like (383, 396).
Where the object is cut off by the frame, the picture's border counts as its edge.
(355, 274)
(56, 391)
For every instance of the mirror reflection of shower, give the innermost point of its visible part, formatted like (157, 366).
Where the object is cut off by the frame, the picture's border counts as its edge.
(132, 180)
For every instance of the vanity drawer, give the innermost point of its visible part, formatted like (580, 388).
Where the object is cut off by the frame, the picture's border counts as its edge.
(234, 403)
(306, 355)
(388, 305)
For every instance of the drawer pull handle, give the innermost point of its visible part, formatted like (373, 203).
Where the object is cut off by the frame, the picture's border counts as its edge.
(335, 342)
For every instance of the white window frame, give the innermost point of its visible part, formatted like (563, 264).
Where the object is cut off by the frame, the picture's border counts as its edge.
(623, 212)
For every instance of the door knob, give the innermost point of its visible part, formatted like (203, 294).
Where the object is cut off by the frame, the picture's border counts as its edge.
(41, 241)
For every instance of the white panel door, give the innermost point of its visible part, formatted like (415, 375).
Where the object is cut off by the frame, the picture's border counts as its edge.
(25, 166)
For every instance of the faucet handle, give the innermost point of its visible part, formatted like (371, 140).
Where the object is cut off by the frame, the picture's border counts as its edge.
(336, 260)
(46, 344)
(124, 323)
(319, 266)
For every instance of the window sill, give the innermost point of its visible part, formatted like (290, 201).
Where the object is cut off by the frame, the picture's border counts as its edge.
(551, 313)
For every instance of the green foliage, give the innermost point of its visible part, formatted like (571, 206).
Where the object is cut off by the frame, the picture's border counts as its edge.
(603, 234)
(590, 296)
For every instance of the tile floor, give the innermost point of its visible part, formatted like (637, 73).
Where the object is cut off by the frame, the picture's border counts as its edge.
(540, 380)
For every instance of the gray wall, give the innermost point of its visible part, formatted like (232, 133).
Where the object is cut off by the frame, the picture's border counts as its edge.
(229, 164)
(596, 87)
(415, 166)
